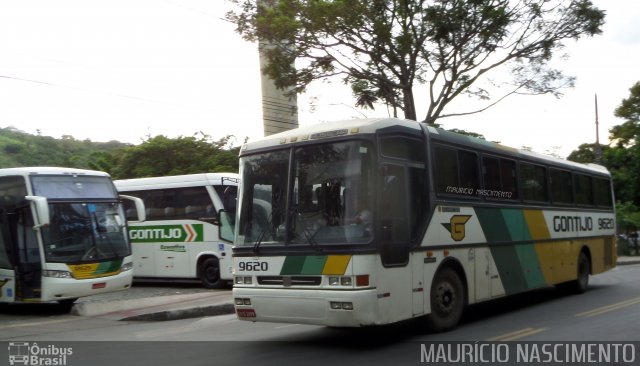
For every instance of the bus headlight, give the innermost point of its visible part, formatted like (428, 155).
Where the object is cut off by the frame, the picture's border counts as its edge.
(340, 281)
(345, 281)
(126, 267)
(243, 280)
(56, 273)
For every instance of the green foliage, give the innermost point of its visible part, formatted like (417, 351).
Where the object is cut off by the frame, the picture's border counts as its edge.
(19, 149)
(628, 216)
(157, 156)
(162, 156)
(384, 48)
(622, 159)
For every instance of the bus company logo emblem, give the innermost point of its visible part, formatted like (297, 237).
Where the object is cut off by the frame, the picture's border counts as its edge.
(456, 226)
(286, 281)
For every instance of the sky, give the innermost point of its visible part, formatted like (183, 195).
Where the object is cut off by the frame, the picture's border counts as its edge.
(126, 70)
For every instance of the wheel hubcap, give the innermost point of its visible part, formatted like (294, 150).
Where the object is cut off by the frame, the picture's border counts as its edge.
(446, 297)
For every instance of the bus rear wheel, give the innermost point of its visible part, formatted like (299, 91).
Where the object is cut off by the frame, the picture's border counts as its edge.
(210, 273)
(581, 283)
(447, 301)
(67, 304)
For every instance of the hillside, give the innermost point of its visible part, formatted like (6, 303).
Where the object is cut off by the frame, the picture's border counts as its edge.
(18, 148)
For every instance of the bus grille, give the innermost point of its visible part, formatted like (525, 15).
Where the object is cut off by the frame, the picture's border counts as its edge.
(289, 280)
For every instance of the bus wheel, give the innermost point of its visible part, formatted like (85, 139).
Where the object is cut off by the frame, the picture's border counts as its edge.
(447, 301)
(580, 284)
(210, 273)
(67, 304)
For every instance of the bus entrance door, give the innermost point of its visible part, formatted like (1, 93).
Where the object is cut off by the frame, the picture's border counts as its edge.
(28, 268)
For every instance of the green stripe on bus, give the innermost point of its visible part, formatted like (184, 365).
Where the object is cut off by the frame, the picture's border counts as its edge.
(518, 265)
(493, 224)
(516, 224)
(108, 267)
(313, 265)
(531, 266)
(292, 265)
(509, 268)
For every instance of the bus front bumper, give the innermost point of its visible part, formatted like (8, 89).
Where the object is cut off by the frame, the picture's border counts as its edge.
(55, 289)
(344, 308)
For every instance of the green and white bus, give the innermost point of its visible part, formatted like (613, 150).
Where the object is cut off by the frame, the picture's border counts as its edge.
(452, 220)
(181, 237)
(63, 235)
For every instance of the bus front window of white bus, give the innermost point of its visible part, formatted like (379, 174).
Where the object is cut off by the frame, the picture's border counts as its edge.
(330, 183)
(85, 232)
(332, 188)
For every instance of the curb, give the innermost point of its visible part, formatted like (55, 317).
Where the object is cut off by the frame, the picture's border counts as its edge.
(628, 262)
(178, 314)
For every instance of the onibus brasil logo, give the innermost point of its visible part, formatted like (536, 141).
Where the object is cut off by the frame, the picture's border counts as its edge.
(32, 354)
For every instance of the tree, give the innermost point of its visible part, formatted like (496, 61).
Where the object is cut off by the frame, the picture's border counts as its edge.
(622, 160)
(628, 133)
(162, 156)
(385, 48)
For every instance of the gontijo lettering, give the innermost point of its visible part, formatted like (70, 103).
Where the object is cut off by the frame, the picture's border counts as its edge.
(166, 233)
(572, 223)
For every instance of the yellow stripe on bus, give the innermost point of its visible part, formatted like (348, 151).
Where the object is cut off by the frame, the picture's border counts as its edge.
(537, 225)
(336, 265)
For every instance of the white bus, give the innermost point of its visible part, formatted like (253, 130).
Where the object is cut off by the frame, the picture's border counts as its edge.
(63, 235)
(364, 222)
(181, 237)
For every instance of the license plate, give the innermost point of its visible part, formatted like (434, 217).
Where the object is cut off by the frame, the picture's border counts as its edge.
(246, 313)
(99, 285)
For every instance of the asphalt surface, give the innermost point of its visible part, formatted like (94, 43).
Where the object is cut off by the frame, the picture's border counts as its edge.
(161, 300)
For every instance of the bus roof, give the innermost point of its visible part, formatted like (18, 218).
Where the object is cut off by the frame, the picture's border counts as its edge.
(187, 180)
(371, 125)
(327, 130)
(49, 170)
(438, 134)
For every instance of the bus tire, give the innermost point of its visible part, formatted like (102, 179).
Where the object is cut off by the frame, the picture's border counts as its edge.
(581, 283)
(67, 304)
(210, 273)
(447, 300)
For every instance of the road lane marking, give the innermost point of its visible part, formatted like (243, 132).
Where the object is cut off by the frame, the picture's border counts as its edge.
(517, 334)
(34, 324)
(608, 308)
(286, 326)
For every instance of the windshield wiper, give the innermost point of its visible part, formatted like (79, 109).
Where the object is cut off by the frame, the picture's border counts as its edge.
(305, 231)
(263, 233)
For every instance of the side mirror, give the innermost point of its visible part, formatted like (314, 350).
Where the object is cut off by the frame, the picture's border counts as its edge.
(41, 207)
(226, 222)
(139, 214)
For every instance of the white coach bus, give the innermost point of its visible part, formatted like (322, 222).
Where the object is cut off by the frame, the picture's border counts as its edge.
(364, 222)
(63, 235)
(181, 237)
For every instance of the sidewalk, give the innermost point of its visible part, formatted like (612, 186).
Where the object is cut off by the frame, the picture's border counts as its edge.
(154, 308)
(145, 304)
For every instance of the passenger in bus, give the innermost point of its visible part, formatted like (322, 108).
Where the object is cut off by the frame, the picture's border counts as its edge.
(363, 216)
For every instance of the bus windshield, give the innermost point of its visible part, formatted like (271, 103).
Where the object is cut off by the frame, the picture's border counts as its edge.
(73, 186)
(330, 196)
(85, 232)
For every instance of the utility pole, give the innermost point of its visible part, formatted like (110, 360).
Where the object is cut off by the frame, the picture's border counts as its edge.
(597, 151)
(279, 108)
